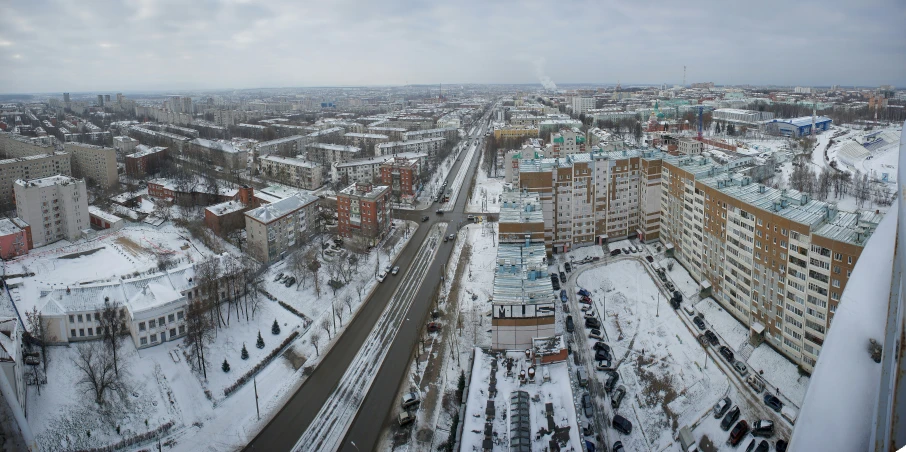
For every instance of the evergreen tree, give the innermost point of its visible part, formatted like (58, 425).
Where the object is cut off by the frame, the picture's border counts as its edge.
(225, 366)
(275, 328)
(245, 353)
(260, 343)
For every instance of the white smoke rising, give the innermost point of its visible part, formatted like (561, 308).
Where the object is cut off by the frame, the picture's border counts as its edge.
(546, 81)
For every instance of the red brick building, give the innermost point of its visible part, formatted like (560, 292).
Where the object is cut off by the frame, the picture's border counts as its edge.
(363, 211)
(15, 238)
(227, 216)
(146, 160)
(402, 176)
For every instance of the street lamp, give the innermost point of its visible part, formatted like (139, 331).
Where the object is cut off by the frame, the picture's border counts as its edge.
(353, 445)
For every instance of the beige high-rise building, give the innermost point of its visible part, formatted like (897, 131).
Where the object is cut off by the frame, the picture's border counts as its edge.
(97, 163)
(55, 207)
(31, 167)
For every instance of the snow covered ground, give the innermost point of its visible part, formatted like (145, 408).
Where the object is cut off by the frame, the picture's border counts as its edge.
(485, 197)
(557, 392)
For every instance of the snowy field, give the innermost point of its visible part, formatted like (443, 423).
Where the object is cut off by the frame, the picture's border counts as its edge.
(485, 197)
(557, 392)
(661, 362)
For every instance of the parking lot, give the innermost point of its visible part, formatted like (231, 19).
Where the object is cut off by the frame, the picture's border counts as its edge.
(671, 378)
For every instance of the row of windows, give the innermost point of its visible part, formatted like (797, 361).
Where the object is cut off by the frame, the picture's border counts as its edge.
(155, 323)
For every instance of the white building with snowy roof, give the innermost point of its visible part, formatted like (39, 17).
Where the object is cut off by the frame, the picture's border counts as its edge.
(274, 228)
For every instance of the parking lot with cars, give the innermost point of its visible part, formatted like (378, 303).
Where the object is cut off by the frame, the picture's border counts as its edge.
(650, 361)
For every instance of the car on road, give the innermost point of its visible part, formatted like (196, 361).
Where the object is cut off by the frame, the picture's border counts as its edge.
(741, 368)
(471, 217)
(451, 237)
(439, 212)
(763, 427)
(712, 338)
(756, 383)
(570, 326)
(721, 407)
(587, 406)
(773, 402)
(381, 276)
(410, 399)
(699, 322)
(729, 418)
(622, 425)
(594, 334)
(568, 267)
(395, 270)
(405, 418)
(563, 276)
(617, 397)
(739, 432)
(726, 353)
(649, 259)
(592, 323)
(611, 381)
(563, 296)
(424, 218)
(555, 282)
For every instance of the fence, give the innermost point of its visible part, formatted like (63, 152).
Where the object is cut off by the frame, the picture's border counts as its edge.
(156, 433)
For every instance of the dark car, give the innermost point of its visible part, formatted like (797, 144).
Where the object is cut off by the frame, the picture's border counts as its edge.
(584, 293)
(763, 446)
(751, 446)
(570, 326)
(586, 405)
(602, 355)
(554, 277)
(617, 397)
(424, 218)
(592, 323)
(555, 283)
(615, 252)
(563, 276)
(763, 428)
(611, 381)
(563, 297)
(601, 346)
(773, 402)
(729, 418)
(585, 300)
(649, 258)
(739, 432)
(712, 338)
(726, 353)
(439, 212)
(622, 425)
(699, 322)
(568, 267)
(618, 447)
(781, 445)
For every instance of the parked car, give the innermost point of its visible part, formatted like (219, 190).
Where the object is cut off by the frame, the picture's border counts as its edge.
(721, 407)
(471, 217)
(587, 406)
(763, 446)
(615, 252)
(751, 446)
(563, 296)
(568, 267)
(585, 300)
(756, 383)
(589, 313)
(602, 355)
(405, 418)
(554, 277)
(763, 427)
(410, 399)
(592, 323)
(618, 447)
(712, 338)
(649, 259)
(726, 353)
(452, 237)
(290, 281)
(729, 418)
(555, 284)
(622, 425)
(563, 276)
(741, 368)
(699, 322)
(611, 381)
(625, 250)
(395, 270)
(773, 402)
(739, 432)
(617, 397)
(570, 326)
(586, 308)
(439, 212)
(584, 293)
(382, 275)
(605, 365)
(601, 346)
(594, 333)
(781, 445)
(279, 276)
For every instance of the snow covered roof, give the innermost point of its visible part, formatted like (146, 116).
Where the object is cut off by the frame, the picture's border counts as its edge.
(271, 212)
(294, 161)
(335, 147)
(225, 208)
(46, 181)
(288, 139)
(222, 146)
(518, 207)
(7, 227)
(97, 212)
(142, 150)
(380, 159)
(151, 296)
(375, 136)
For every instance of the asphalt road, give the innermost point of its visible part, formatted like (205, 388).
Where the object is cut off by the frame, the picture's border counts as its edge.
(287, 426)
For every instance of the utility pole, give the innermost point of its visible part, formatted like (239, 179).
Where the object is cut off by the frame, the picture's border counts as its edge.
(658, 312)
(258, 410)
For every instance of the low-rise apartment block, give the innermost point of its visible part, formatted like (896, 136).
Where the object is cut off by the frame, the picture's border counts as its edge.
(327, 154)
(55, 207)
(429, 145)
(515, 132)
(275, 228)
(292, 171)
(449, 133)
(363, 211)
(291, 145)
(368, 169)
(94, 163)
(145, 161)
(403, 176)
(14, 146)
(218, 152)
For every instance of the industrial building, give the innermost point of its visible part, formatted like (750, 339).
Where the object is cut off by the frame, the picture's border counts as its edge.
(797, 127)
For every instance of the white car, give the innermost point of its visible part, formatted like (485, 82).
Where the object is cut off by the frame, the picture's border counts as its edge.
(381, 276)
(395, 270)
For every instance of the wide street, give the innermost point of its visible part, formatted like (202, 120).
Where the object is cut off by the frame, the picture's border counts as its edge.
(417, 281)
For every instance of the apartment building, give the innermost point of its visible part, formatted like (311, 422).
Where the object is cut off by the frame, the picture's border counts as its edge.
(32, 167)
(523, 299)
(449, 133)
(429, 145)
(15, 146)
(566, 142)
(776, 260)
(124, 144)
(515, 132)
(291, 145)
(368, 169)
(275, 228)
(218, 152)
(95, 163)
(395, 133)
(582, 104)
(55, 207)
(292, 171)
(144, 161)
(403, 176)
(328, 154)
(15, 238)
(363, 211)
(365, 140)
(595, 197)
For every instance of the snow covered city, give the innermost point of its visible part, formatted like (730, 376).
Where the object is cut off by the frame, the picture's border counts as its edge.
(402, 226)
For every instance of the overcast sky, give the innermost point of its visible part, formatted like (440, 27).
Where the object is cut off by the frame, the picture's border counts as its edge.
(62, 45)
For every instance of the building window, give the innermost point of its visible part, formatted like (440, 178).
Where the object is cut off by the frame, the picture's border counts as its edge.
(91, 332)
(71, 318)
(182, 329)
(836, 282)
(170, 318)
(154, 338)
(172, 332)
(152, 324)
(72, 333)
(141, 326)
(849, 260)
(81, 332)
(838, 257)
(97, 317)
(161, 321)
(143, 341)
(80, 318)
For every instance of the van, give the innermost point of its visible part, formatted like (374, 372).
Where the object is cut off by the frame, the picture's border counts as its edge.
(582, 376)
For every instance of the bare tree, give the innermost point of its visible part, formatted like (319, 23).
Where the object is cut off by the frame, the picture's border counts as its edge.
(113, 324)
(38, 330)
(325, 324)
(315, 338)
(96, 370)
(359, 288)
(338, 311)
(313, 266)
(348, 301)
(199, 333)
